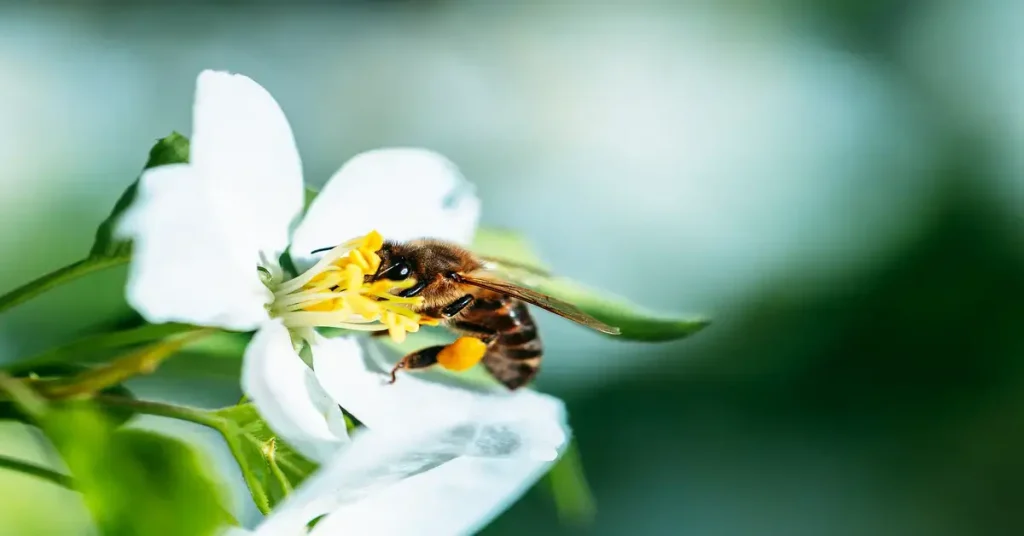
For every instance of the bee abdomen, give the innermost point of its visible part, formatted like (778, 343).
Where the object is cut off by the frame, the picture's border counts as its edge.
(514, 357)
(527, 345)
(523, 334)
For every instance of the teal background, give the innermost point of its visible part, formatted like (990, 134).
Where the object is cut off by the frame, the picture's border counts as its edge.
(838, 185)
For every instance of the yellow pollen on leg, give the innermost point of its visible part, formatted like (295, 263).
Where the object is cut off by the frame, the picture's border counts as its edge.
(462, 354)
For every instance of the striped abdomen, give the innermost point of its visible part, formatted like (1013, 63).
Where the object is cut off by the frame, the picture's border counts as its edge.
(513, 357)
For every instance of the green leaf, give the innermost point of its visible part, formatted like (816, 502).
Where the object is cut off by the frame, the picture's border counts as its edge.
(132, 481)
(503, 244)
(170, 150)
(272, 469)
(635, 322)
(97, 347)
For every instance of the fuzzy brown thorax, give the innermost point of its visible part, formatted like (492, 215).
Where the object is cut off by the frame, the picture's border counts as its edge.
(432, 263)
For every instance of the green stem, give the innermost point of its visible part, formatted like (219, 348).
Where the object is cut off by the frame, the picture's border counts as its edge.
(41, 472)
(197, 416)
(161, 409)
(143, 361)
(56, 278)
(102, 341)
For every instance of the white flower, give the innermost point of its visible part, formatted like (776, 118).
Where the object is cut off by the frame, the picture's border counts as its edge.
(207, 237)
(423, 483)
(414, 484)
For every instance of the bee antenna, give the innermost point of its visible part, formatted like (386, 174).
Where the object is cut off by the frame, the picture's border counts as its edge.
(322, 249)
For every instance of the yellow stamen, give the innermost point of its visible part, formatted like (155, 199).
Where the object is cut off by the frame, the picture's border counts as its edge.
(353, 277)
(373, 241)
(321, 306)
(462, 354)
(357, 258)
(335, 293)
(396, 332)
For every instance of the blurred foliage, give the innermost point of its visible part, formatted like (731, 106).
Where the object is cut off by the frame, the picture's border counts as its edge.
(893, 401)
(132, 481)
(888, 401)
(572, 495)
(116, 416)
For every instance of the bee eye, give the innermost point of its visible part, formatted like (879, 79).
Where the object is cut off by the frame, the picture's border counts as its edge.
(396, 272)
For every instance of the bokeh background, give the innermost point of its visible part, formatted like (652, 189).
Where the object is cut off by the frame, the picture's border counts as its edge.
(839, 185)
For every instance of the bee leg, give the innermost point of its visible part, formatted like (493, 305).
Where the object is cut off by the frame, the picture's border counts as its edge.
(414, 290)
(419, 359)
(484, 333)
(456, 306)
(462, 354)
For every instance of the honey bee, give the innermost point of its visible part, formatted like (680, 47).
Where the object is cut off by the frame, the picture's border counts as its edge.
(469, 296)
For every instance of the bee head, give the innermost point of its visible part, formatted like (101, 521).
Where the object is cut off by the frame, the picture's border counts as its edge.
(435, 266)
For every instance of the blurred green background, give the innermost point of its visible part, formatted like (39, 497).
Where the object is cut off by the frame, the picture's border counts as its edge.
(838, 185)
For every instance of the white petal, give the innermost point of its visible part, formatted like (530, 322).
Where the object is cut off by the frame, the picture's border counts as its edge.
(234, 531)
(459, 497)
(288, 396)
(298, 530)
(186, 266)
(244, 149)
(375, 477)
(533, 422)
(403, 193)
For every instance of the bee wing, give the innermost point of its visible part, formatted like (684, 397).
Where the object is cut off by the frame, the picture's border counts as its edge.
(559, 307)
(513, 266)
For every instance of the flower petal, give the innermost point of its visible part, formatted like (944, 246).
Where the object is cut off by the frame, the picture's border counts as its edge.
(532, 422)
(377, 475)
(297, 530)
(288, 396)
(459, 497)
(244, 149)
(402, 193)
(185, 265)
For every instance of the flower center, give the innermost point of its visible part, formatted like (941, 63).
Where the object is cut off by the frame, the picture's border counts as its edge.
(334, 293)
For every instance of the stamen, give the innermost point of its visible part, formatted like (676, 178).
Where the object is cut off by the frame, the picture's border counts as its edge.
(334, 293)
(371, 242)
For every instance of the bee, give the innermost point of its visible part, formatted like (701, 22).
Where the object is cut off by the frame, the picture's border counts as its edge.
(469, 295)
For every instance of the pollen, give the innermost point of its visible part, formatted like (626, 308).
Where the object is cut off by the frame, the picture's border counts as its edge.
(335, 293)
(462, 354)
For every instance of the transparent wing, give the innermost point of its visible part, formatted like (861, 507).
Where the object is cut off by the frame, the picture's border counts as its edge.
(554, 305)
(506, 265)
